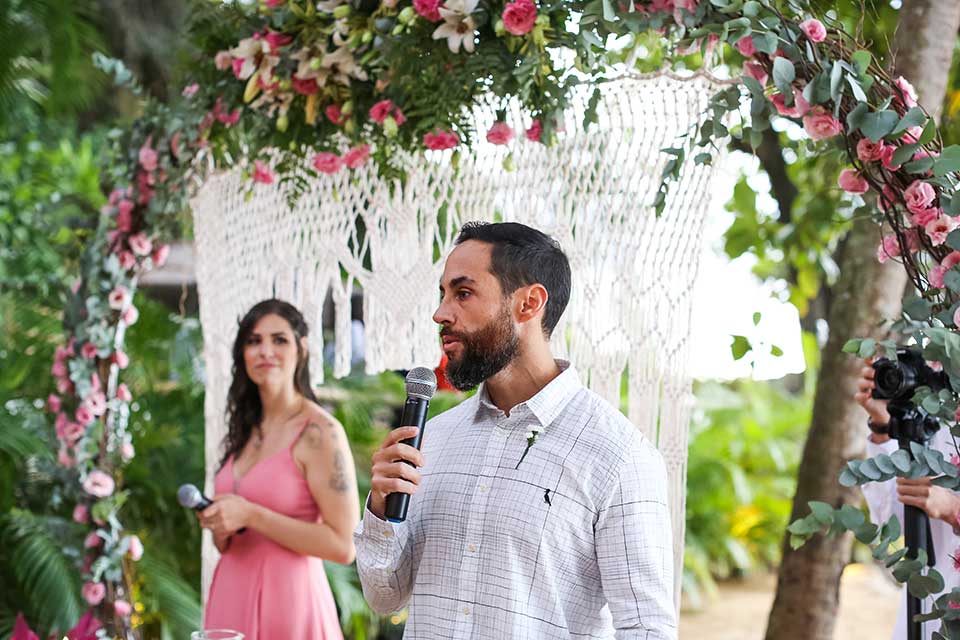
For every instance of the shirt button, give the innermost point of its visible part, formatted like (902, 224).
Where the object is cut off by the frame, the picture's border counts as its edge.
(466, 611)
(483, 488)
(472, 548)
(388, 534)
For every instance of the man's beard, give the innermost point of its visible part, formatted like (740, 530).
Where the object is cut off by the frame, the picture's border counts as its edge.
(485, 352)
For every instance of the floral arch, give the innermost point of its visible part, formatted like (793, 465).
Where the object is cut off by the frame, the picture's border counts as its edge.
(351, 84)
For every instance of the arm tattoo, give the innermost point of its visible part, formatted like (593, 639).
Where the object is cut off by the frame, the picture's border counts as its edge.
(338, 479)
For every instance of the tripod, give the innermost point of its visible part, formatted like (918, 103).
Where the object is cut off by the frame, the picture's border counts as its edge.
(917, 535)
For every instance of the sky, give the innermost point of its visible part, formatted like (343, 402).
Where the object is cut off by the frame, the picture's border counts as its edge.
(728, 294)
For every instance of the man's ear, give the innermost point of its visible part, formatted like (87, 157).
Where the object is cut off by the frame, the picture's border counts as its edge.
(531, 302)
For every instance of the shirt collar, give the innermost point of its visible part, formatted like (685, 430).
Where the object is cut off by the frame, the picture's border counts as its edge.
(547, 403)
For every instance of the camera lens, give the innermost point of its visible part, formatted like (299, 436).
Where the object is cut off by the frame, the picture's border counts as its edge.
(889, 380)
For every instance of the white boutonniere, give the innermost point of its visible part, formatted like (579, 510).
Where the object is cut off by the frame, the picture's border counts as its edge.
(531, 438)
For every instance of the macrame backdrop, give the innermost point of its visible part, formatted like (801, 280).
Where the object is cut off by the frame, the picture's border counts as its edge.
(633, 273)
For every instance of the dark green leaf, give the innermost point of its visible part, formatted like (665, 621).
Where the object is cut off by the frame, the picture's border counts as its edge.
(901, 460)
(948, 162)
(904, 153)
(913, 118)
(878, 124)
(836, 82)
(852, 346)
(740, 347)
(783, 76)
(862, 59)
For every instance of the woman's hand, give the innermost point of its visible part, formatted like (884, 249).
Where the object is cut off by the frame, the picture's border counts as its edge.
(937, 502)
(228, 513)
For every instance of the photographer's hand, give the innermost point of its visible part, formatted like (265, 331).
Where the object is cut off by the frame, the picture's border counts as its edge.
(876, 409)
(937, 502)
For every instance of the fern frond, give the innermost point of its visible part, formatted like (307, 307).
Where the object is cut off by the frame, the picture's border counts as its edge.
(45, 575)
(176, 602)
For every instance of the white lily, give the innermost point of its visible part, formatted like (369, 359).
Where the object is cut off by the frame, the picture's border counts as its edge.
(341, 66)
(458, 25)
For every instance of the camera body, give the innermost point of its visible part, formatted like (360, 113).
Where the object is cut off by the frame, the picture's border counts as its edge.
(897, 381)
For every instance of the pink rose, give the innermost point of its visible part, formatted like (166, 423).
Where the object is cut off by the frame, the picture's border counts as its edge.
(889, 248)
(80, 514)
(852, 182)
(357, 156)
(923, 217)
(519, 17)
(535, 131)
(123, 393)
(125, 215)
(148, 157)
(814, 30)
(127, 260)
(952, 260)
(59, 369)
(130, 315)
(938, 229)
(140, 244)
(64, 459)
(72, 432)
(912, 238)
(380, 111)
(334, 113)
(756, 71)
(919, 196)
(440, 140)
(277, 40)
(327, 162)
(93, 593)
(134, 548)
(262, 172)
(99, 484)
(97, 402)
(190, 90)
(122, 608)
(869, 151)
(935, 276)
(906, 95)
(306, 87)
(53, 403)
(64, 386)
(160, 255)
(126, 451)
(120, 359)
(500, 133)
(798, 110)
(745, 47)
(84, 415)
(92, 541)
(118, 297)
(429, 9)
(223, 60)
(820, 125)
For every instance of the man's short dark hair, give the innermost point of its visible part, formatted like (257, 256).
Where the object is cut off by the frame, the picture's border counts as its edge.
(523, 256)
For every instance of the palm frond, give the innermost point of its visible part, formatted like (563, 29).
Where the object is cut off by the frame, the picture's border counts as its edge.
(45, 575)
(176, 602)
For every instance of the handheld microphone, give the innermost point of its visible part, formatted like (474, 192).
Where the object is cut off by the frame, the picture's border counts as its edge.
(421, 385)
(191, 498)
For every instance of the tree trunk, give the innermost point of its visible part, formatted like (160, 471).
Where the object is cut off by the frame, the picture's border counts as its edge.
(805, 606)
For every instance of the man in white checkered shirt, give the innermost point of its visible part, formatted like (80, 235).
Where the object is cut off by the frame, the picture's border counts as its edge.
(538, 511)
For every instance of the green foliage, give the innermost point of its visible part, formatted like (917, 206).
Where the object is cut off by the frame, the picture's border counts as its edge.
(39, 579)
(741, 475)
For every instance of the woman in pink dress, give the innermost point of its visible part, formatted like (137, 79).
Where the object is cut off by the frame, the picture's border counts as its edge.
(286, 494)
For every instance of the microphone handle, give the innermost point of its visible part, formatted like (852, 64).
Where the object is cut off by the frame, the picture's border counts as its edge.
(206, 502)
(414, 415)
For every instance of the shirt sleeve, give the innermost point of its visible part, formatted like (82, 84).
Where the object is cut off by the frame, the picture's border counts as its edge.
(881, 497)
(384, 562)
(635, 547)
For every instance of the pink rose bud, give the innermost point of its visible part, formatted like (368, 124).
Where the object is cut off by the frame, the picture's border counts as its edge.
(92, 540)
(122, 608)
(160, 255)
(135, 548)
(80, 514)
(500, 133)
(123, 393)
(93, 593)
(53, 403)
(814, 30)
(852, 182)
(120, 359)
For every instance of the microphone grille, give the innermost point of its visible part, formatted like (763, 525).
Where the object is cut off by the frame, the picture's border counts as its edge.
(421, 383)
(188, 496)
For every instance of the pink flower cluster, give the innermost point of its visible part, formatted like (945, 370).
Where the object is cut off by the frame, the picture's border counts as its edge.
(441, 139)
(330, 163)
(429, 9)
(384, 109)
